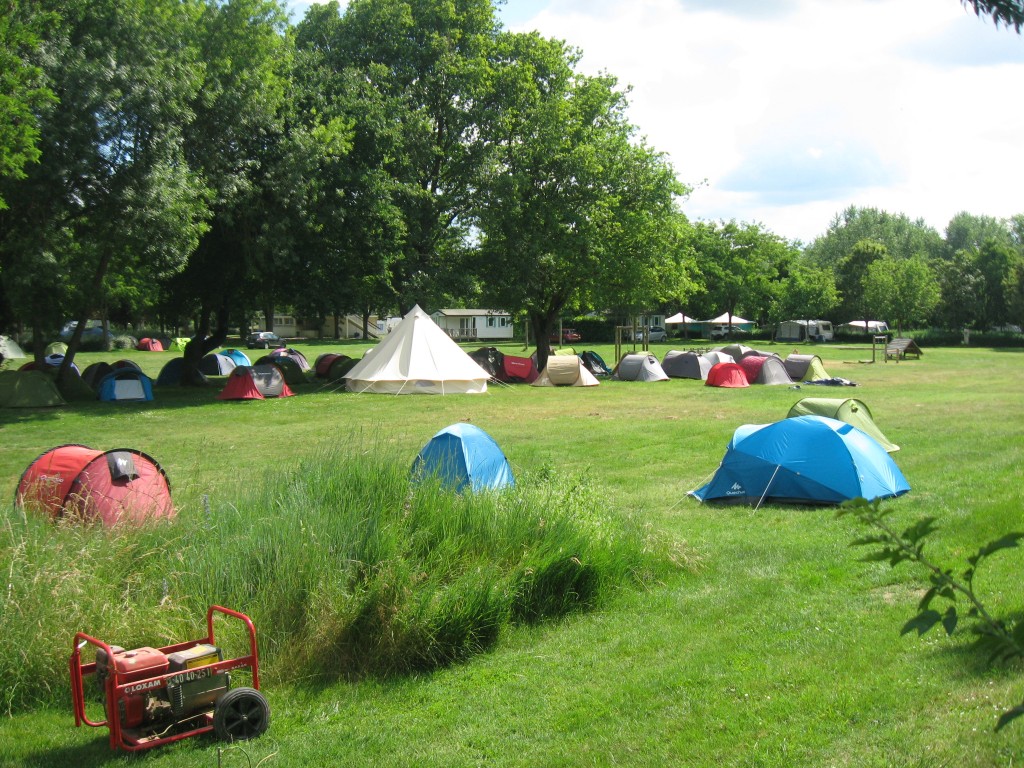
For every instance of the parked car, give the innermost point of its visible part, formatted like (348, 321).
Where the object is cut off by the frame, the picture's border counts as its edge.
(721, 331)
(654, 333)
(263, 340)
(569, 336)
(93, 330)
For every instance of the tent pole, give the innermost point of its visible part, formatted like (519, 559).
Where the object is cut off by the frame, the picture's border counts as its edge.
(771, 479)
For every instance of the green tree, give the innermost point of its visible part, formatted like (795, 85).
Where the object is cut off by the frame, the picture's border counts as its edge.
(237, 141)
(967, 231)
(430, 64)
(962, 291)
(741, 265)
(903, 290)
(111, 190)
(997, 263)
(808, 292)
(573, 213)
(901, 236)
(23, 89)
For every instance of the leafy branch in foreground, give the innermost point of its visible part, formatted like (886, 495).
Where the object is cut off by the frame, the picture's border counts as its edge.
(1004, 637)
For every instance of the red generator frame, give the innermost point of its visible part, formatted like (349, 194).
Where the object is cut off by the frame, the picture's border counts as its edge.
(233, 713)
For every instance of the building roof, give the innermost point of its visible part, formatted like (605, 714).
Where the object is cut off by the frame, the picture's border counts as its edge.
(470, 312)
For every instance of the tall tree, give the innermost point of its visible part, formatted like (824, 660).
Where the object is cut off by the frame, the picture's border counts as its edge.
(996, 262)
(430, 64)
(850, 273)
(808, 292)
(961, 291)
(573, 213)
(111, 190)
(901, 236)
(237, 142)
(967, 231)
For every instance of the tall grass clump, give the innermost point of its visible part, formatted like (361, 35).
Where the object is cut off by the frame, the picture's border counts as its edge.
(346, 568)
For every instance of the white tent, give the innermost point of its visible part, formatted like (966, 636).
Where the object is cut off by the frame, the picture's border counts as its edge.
(9, 348)
(724, 318)
(679, 317)
(417, 357)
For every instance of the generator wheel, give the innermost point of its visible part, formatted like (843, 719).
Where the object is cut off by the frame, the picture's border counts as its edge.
(241, 714)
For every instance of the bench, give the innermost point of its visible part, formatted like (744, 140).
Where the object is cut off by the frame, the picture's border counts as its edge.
(898, 349)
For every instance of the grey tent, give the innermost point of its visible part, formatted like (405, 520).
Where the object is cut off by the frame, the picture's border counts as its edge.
(738, 351)
(767, 369)
(216, 364)
(717, 356)
(639, 367)
(685, 365)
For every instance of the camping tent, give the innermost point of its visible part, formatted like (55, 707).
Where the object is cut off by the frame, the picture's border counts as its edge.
(77, 482)
(125, 385)
(565, 371)
(9, 349)
(805, 367)
(216, 364)
(170, 374)
(518, 370)
(764, 370)
(290, 369)
(464, 456)
(28, 389)
(728, 375)
(255, 383)
(333, 366)
(851, 411)
(56, 348)
(490, 359)
(292, 354)
(595, 363)
(717, 356)
(807, 459)
(417, 357)
(639, 367)
(94, 373)
(737, 351)
(238, 356)
(685, 365)
(151, 345)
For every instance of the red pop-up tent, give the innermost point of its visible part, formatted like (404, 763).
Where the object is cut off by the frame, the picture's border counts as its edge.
(116, 486)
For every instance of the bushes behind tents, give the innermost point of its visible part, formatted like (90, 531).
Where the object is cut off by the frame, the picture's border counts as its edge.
(346, 569)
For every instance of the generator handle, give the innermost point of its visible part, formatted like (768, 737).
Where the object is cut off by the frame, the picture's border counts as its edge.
(253, 658)
(78, 673)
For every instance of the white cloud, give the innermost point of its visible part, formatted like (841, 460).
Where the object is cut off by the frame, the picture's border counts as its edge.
(795, 114)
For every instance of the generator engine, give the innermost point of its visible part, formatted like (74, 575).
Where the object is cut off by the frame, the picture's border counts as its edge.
(150, 705)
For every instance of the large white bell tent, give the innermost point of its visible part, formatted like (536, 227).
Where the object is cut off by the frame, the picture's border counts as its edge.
(417, 357)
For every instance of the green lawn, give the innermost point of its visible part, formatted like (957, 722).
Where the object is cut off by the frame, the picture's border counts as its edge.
(781, 648)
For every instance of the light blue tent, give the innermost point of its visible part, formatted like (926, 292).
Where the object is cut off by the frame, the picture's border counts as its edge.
(462, 456)
(803, 460)
(125, 384)
(238, 356)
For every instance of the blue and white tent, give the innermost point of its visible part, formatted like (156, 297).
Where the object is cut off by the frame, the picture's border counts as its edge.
(464, 456)
(125, 384)
(238, 356)
(803, 460)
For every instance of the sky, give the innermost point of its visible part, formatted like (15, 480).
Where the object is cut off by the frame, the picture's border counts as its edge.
(787, 112)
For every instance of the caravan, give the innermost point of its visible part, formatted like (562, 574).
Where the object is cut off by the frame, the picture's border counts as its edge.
(804, 330)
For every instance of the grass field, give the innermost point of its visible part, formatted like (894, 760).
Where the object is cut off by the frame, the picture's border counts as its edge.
(779, 647)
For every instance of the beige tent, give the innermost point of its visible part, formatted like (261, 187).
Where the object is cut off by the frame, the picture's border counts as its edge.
(417, 357)
(565, 372)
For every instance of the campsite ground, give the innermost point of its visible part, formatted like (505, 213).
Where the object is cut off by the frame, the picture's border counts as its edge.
(781, 649)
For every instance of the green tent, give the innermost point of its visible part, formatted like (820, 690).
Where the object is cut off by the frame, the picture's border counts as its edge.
(805, 368)
(28, 389)
(56, 348)
(851, 411)
(73, 387)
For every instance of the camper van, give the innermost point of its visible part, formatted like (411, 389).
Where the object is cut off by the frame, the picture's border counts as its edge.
(804, 330)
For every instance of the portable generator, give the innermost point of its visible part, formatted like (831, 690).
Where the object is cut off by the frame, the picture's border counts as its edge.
(154, 696)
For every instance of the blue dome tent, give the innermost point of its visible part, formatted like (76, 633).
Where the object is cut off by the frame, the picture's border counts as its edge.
(462, 456)
(803, 460)
(125, 384)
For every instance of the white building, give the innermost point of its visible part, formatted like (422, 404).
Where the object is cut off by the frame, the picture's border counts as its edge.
(474, 324)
